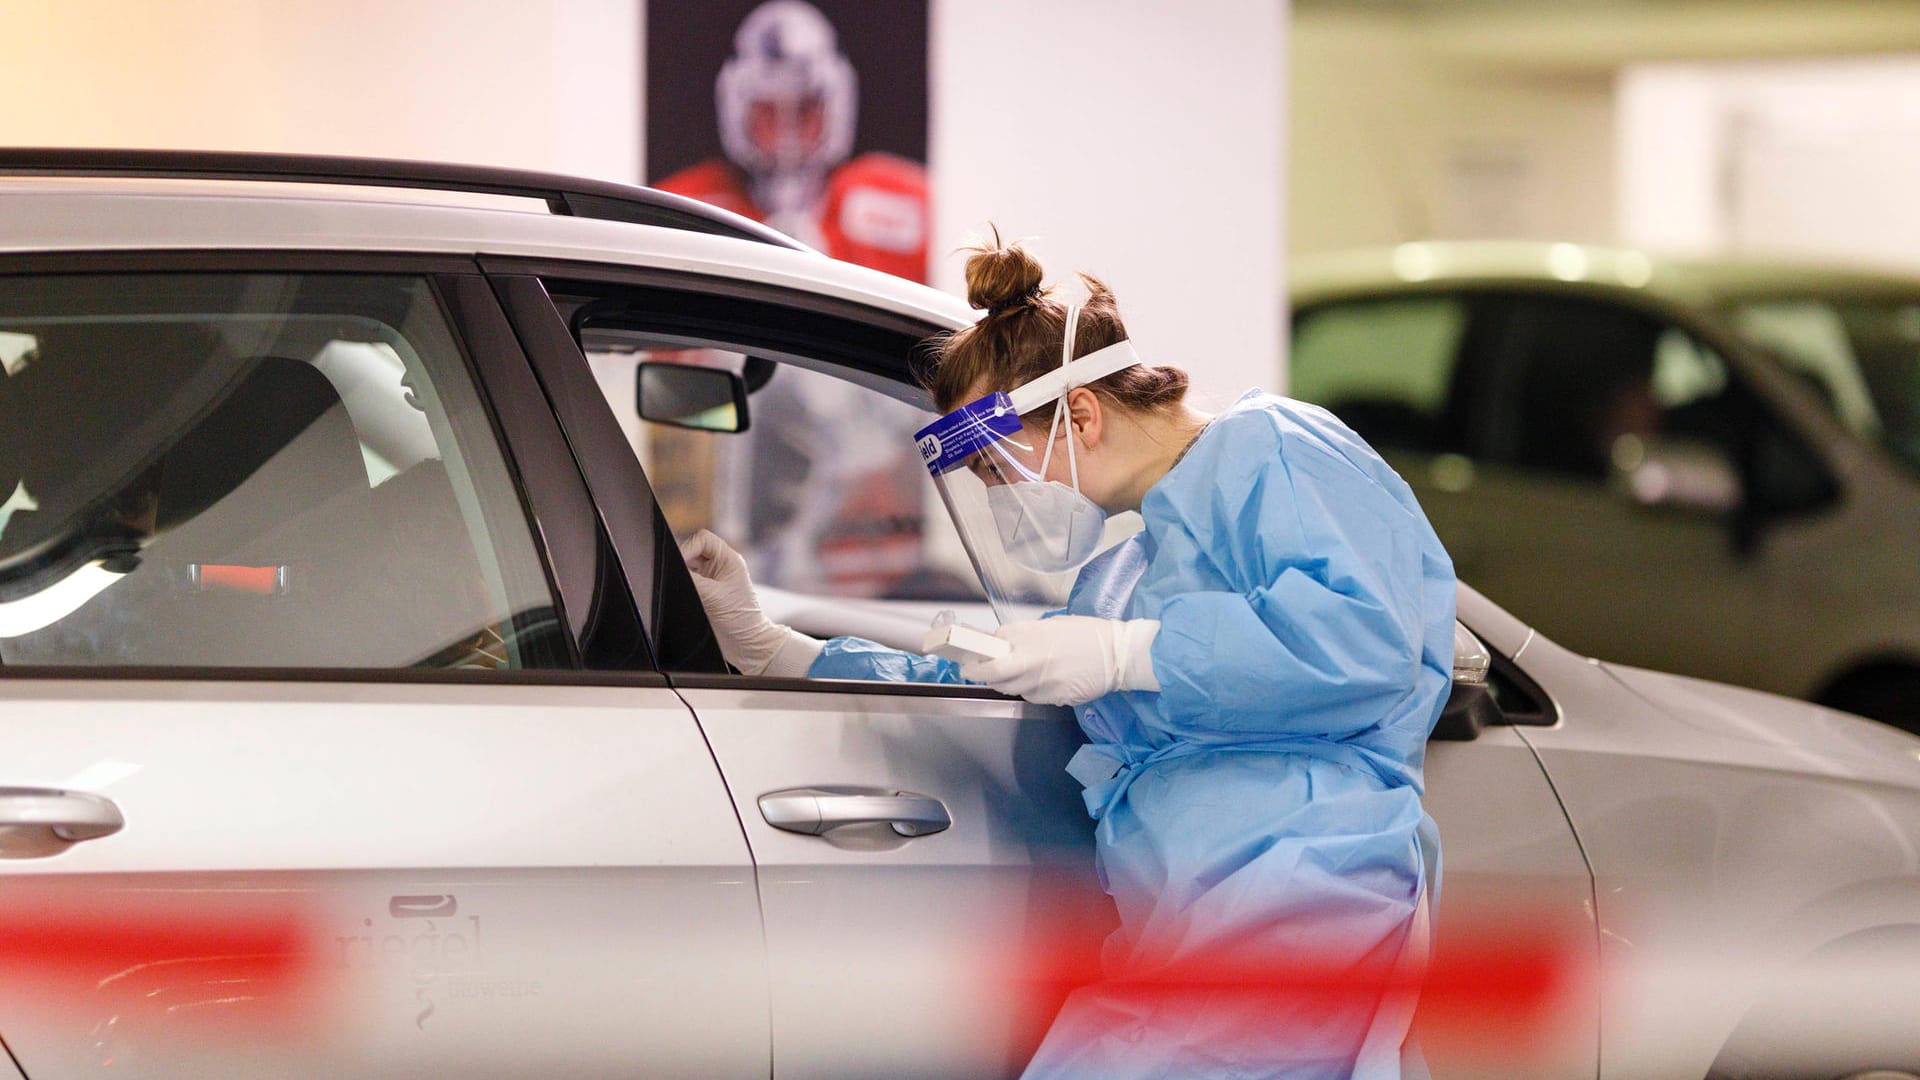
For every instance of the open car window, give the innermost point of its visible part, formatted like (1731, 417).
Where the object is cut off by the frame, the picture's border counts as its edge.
(823, 493)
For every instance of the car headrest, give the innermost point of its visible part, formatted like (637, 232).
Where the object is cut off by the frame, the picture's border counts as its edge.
(281, 443)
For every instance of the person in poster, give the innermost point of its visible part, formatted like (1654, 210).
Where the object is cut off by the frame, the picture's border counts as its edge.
(827, 501)
(787, 101)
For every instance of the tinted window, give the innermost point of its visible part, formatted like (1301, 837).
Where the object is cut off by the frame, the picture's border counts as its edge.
(1588, 390)
(1383, 366)
(253, 470)
(1861, 357)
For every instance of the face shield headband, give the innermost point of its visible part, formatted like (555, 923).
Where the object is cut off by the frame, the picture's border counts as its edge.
(949, 441)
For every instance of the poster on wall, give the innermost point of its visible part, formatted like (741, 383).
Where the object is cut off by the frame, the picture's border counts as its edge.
(811, 116)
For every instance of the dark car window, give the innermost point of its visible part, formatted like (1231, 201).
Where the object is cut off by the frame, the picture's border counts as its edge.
(254, 470)
(1384, 366)
(1590, 390)
(1571, 380)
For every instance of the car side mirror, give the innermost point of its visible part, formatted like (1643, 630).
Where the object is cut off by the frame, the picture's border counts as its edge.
(689, 396)
(1470, 706)
(1676, 474)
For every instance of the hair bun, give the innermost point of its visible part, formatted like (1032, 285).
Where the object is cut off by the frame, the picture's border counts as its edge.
(1001, 275)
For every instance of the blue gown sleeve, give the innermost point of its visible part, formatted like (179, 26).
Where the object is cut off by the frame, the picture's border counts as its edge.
(858, 658)
(1301, 602)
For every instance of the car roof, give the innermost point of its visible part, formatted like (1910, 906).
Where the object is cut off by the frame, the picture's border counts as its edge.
(1702, 284)
(85, 201)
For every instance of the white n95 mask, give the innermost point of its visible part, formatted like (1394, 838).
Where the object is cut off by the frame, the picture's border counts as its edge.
(1046, 526)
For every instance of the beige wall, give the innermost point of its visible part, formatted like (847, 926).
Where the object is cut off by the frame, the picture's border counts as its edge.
(1396, 138)
(1810, 159)
(531, 83)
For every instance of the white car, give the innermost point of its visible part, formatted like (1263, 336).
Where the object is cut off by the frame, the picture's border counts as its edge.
(357, 714)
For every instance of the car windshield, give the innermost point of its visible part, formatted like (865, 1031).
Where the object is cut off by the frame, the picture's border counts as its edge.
(1862, 356)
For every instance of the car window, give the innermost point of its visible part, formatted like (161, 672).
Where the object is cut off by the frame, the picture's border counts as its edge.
(1861, 357)
(1584, 388)
(1385, 367)
(824, 493)
(1809, 337)
(254, 470)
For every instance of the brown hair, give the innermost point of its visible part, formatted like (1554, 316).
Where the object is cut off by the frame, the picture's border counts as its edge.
(1019, 339)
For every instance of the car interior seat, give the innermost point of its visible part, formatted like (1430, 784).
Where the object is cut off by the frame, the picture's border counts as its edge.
(240, 489)
(375, 577)
(255, 525)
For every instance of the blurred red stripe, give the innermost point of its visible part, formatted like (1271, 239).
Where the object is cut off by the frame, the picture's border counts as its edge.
(165, 962)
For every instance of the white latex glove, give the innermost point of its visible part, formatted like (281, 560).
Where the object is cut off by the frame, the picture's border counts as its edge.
(751, 642)
(1071, 659)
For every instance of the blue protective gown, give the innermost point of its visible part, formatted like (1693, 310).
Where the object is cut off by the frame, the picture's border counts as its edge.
(1261, 811)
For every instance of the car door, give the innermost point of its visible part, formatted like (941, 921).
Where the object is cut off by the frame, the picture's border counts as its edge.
(302, 768)
(1513, 989)
(923, 860)
(1578, 457)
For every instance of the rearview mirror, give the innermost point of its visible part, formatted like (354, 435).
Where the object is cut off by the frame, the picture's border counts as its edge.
(688, 396)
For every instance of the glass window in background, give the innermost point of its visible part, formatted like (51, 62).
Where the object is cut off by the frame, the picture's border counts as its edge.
(1861, 357)
(254, 470)
(1385, 367)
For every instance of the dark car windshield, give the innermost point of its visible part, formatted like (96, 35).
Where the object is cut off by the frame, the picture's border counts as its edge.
(1862, 356)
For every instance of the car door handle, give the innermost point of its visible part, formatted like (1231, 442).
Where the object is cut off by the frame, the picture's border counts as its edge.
(71, 816)
(817, 810)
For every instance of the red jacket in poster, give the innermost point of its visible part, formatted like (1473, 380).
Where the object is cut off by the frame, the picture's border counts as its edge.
(874, 210)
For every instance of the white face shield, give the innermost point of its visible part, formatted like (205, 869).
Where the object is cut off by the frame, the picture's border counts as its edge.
(1026, 535)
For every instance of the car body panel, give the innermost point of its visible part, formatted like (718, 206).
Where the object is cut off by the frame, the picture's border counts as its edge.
(1689, 798)
(598, 885)
(933, 955)
(1559, 550)
(1513, 879)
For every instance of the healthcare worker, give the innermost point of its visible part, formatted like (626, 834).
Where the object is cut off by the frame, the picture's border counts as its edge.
(1257, 670)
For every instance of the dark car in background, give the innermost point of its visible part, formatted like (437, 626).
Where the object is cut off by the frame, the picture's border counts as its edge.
(1705, 468)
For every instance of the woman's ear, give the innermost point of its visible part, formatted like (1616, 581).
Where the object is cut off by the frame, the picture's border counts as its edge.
(1084, 412)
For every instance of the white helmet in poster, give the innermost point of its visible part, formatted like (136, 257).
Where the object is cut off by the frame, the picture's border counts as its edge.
(787, 97)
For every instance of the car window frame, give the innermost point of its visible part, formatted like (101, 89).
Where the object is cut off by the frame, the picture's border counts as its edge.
(786, 320)
(525, 434)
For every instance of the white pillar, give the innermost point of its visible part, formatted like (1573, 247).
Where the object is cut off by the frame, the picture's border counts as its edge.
(1138, 140)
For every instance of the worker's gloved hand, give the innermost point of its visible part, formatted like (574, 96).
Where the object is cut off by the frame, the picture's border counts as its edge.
(751, 642)
(1071, 659)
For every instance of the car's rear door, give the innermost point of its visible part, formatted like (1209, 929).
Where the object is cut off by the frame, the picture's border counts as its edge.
(302, 768)
(924, 861)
